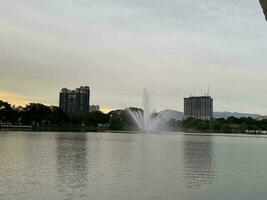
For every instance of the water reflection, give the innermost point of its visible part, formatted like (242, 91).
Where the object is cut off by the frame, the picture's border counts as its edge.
(199, 167)
(71, 159)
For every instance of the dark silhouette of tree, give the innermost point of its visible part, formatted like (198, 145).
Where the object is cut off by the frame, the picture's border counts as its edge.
(58, 116)
(8, 113)
(39, 115)
(95, 118)
(36, 113)
(115, 121)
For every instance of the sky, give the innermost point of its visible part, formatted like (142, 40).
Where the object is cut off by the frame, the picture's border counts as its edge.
(120, 47)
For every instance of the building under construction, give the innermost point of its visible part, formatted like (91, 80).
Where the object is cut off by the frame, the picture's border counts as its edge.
(198, 107)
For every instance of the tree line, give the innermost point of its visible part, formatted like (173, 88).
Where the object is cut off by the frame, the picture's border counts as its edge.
(39, 115)
(221, 125)
(36, 114)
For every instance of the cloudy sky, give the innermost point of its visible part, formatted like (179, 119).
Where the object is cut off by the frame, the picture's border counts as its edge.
(120, 47)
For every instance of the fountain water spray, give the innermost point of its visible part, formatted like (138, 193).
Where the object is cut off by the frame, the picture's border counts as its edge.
(147, 120)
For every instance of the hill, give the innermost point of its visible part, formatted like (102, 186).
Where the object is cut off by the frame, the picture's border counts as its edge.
(177, 115)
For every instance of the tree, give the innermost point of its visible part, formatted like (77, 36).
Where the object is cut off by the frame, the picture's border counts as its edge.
(233, 120)
(58, 116)
(8, 113)
(95, 118)
(115, 122)
(36, 112)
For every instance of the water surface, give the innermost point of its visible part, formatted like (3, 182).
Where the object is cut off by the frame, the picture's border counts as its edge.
(101, 166)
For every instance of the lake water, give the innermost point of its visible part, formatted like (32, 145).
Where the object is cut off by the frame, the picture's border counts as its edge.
(113, 166)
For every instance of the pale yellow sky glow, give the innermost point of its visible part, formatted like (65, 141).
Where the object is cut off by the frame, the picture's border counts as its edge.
(14, 99)
(105, 110)
(18, 100)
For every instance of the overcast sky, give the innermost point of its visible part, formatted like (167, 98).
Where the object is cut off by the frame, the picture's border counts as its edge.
(120, 47)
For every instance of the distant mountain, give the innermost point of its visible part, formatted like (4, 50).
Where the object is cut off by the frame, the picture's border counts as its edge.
(173, 114)
(234, 114)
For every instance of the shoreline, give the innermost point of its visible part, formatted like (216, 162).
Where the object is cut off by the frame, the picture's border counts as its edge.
(95, 130)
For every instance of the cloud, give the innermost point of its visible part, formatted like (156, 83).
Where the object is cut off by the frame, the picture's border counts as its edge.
(121, 47)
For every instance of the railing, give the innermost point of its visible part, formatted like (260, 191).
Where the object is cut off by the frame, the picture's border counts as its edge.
(255, 132)
(14, 126)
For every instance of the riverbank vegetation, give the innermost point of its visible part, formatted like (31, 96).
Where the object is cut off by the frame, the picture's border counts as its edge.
(51, 118)
(221, 125)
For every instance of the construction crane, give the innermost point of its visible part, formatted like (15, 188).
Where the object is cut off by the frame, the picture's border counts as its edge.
(264, 7)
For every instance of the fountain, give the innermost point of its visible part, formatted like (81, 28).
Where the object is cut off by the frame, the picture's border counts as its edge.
(147, 119)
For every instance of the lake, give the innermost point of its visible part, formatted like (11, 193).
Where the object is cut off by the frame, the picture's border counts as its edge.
(120, 166)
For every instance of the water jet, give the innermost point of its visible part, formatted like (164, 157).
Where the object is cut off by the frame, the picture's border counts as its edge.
(147, 120)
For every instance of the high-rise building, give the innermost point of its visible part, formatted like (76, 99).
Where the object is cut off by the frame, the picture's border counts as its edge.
(94, 108)
(75, 101)
(200, 107)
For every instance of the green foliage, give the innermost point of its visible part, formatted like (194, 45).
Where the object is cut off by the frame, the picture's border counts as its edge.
(8, 113)
(230, 125)
(40, 115)
(44, 117)
(121, 120)
(115, 122)
(58, 116)
(35, 112)
(173, 125)
(95, 118)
